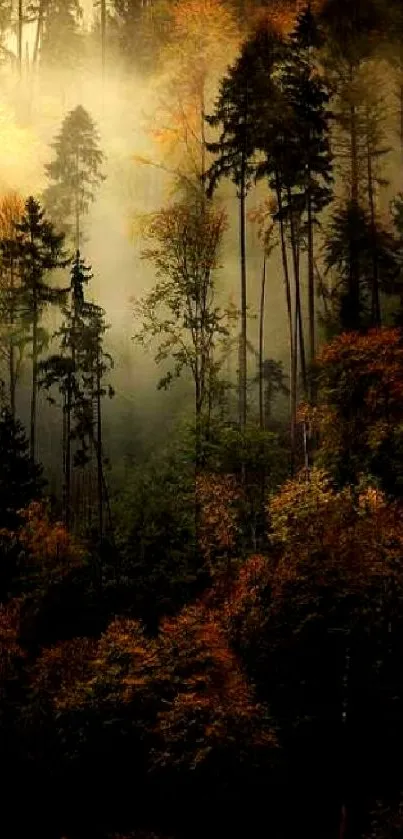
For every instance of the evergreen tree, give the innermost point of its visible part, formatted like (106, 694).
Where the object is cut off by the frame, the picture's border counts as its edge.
(75, 173)
(235, 113)
(39, 253)
(349, 252)
(77, 371)
(20, 477)
(307, 92)
(57, 37)
(13, 326)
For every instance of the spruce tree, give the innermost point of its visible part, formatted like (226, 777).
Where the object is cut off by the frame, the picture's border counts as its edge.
(235, 114)
(77, 371)
(75, 173)
(40, 251)
(20, 477)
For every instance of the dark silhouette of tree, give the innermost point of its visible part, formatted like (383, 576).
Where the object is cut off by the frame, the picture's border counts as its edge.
(39, 253)
(75, 173)
(13, 325)
(20, 478)
(235, 115)
(77, 371)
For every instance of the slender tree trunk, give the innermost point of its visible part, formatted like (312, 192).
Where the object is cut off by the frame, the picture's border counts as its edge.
(103, 39)
(99, 449)
(243, 341)
(34, 391)
(375, 301)
(311, 279)
(298, 325)
(12, 367)
(67, 502)
(19, 36)
(293, 346)
(354, 278)
(261, 346)
(38, 33)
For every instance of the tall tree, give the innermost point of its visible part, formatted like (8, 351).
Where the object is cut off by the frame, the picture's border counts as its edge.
(75, 174)
(13, 325)
(20, 478)
(180, 312)
(78, 372)
(309, 98)
(235, 114)
(40, 251)
(57, 37)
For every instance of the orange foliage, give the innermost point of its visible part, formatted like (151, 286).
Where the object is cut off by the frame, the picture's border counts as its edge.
(218, 497)
(10, 650)
(361, 388)
(212, 707)
(62, 671)
(48, 544)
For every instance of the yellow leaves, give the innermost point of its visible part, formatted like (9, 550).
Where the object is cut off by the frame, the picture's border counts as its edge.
(11, 212)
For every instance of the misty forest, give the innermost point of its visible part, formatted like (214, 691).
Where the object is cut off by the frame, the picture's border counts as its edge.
(201, 419)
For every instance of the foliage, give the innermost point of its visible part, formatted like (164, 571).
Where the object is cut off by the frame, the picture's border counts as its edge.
(180, 312)
(359, 412)
(20, 478)
(75, 173)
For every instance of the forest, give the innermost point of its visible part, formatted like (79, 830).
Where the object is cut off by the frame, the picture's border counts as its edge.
(201, 419)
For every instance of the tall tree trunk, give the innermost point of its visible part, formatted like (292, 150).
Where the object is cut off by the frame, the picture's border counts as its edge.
(38, 33)
(375, 299)
(354, 278)
(67, 473)
(103, 39)
(293, 346)
(34, 384)
(99, 449)
(298, 324)
(19, 36)
(243, 340)
(12, 367)
(261, 346)
(311, 279)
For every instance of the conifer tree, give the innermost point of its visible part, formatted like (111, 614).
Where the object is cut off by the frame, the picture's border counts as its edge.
(75, 173)
(57, 37)
(235, 114)
(13, 326)
(40, 251)
(20, 477)
(78, 371)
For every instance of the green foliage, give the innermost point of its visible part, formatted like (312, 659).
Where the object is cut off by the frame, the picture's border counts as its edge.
(75, 174)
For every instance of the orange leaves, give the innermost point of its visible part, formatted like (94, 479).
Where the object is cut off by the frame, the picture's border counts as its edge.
(361, 387)
(62, 672)
(218, 497)
(10, 650)
(48, 545)
(212, 707)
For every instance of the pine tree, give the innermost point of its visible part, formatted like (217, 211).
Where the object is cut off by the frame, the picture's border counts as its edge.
(309, 97)
(39, 253)
(78, 371)
(13, 326)
(57, 38)
(75, 173)
(235, 113)
(20, 477)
